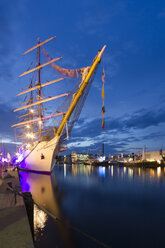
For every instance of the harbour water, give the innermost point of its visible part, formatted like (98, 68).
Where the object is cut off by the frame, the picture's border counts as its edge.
(118, 206)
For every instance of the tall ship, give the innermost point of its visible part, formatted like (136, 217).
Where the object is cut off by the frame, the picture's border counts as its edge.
(42, 131)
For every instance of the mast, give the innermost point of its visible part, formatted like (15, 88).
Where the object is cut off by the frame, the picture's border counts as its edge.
(31, 114)
(29, 119)
(30, 122)
(39, 93)
(80, 92)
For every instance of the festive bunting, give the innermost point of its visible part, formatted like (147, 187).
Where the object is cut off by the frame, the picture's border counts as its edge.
(67, 72)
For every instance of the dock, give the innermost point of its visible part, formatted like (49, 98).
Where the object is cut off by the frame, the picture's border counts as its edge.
(141, 164)
(14, 224)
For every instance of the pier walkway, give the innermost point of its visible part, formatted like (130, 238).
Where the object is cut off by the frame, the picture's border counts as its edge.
(14, 225)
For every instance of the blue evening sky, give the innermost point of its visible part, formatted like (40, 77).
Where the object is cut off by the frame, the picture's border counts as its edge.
(134, 62)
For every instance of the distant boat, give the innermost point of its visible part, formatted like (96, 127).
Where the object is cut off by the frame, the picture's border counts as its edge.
(99, 161)
(41, 144)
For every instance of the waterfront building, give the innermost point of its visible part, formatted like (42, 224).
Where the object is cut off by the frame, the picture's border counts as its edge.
(126, 158)
(154, 156)
(80, 157)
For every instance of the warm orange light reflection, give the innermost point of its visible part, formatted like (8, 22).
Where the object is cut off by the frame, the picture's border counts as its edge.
(40, 218)
(158, 171)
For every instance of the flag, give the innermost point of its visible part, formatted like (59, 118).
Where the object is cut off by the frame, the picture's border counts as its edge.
(103, 91)
(103, 75)
(103, 107)
(103, 110)
(103, 124)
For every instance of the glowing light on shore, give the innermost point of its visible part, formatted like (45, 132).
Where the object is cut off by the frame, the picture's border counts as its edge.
(101, 158)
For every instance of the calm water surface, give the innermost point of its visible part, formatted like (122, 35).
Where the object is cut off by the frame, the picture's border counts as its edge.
(119, 206)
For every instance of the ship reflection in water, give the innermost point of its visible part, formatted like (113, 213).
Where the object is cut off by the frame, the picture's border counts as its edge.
(120, 206)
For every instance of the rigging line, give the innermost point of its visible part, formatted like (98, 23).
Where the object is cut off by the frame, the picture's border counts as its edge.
(62, 104)
(77, 110)
(43, 123)
(30, 65)
(65, 100)
(67, 130)
(33, 75)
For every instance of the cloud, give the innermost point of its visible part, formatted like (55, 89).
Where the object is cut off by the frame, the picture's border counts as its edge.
(94, 18)
(10, 12)
(153, 135)
(9, 147)
(7, 119)
(139, 120)
(145, 118)
(161, 14)
(121, 134)
(5, 45)
(112, 145)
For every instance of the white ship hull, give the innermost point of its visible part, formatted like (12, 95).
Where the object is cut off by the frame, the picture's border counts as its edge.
(41, 157)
